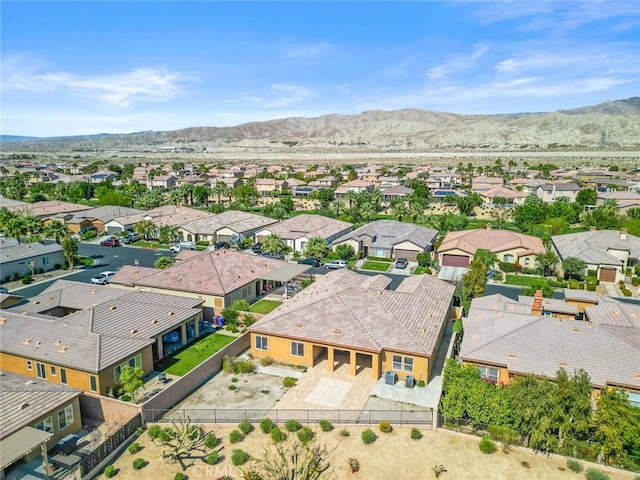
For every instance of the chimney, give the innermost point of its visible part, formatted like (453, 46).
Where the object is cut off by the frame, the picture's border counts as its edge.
(489, 227)
(536, 308)
(623, 234)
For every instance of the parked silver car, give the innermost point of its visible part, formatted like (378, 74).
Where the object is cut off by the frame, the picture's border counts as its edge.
(336, 264)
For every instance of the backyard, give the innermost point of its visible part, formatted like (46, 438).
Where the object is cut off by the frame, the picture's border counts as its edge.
(264, 306)
(192, 355)
(377, 266)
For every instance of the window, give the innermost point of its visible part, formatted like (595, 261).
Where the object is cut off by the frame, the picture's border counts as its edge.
(41, 370)
(262, 343)
(297, 349)
(53, 371)
(135, 362)
(45, 260)
(63, 376)
(401, 363)
(93, 386)
(29, 365)
(487, 373)
(45, 425)
(65, 417)
(527, 261)
(508, 258)
(116, 373)
(634, 398)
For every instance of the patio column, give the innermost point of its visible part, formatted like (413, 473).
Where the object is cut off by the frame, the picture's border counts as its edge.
(330, 358)
(183, 334)
(352, 363)
(45, 460)
(375, 366)
(196, 326)
(159, 349)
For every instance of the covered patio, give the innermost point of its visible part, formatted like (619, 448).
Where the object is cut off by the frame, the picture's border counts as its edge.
(24, 444)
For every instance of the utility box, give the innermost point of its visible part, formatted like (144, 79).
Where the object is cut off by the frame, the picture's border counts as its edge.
(410, 382)
(390, 378)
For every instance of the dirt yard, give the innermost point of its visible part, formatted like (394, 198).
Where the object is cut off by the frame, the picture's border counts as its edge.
(393, 456)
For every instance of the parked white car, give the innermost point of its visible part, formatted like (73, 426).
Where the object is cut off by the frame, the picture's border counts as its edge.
(102, 278)
(336, 264)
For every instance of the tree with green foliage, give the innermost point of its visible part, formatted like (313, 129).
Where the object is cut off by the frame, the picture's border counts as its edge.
(487, 257)
(547, 262)
(538, 284)
(604, 217)
(587, 196)
(345, 251)
(56, 230)
(398, 209)
(70, 250)
(617, 427)
(286, 203)
(574, 267)
(562, 207)
(324, 196)
(149, 199)
(530, 214)
(131, 380)
(163, 262)
(168, 234)
(317, 247)
(13, 227)
(273, 243)
(467, 204)
(146, 228)
(473, 283)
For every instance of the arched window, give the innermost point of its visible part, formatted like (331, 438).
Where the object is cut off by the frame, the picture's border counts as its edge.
(508, 258)
(527, 262)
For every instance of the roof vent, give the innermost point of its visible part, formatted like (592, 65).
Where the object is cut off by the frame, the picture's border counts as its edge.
(575, 330)
(27, 341)
(637, 376)
(63, 349)
(154, 321)
(511, 355)
(37, 302)
(3, 320)
(94, 290)
(563, 363)
(133, 331)
(112, 307)
(172, 313)
(298, 326)
(57, 342)
(23, 406)
(337, 332)
(423, 330)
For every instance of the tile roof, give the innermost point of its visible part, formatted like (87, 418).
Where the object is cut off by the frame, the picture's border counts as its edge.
(494, 240)
(211, 273)
(505, 192)
(49, 208)
(238, 221)
(171, 215)
(25, 399)
(352, 310)
(106, 212)
(388, 233)
(561, 187)
(308, 226)
(593, 246)
(10, 251)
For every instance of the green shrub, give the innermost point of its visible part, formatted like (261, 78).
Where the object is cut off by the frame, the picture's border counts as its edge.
(368, 436)
(574, 465)
(289, 382)
(504, 435)
(266, 361)
(26, 279)
(232, 387)
(239, 457)
(292, 425)
(305, 435)
(241, 304)
(635, 281)
(134, 448)
(139, 463)
(236, 436)
(179, 476)
(266, 425)
(595, 474)
(210, 440)
(385, 427)
(237, 366)
(344, 432)
(245, 427)
(325, 425)
(212, 458)
(487, 445)
(109, 471)
(380, 259)
(278, 435)
(415, 434)
(248, 319)
(420, 384)
(154, 431)
(202, 243)
(230, 316)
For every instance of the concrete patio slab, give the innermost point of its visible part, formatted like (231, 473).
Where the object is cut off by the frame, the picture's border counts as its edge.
(428, 397)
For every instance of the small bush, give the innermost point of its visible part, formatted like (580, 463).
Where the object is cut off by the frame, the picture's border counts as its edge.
(385, 427)
(415, 434)
(241, 305)
(134, 448)
(574, 465)
(368, 436)
(305, 435)
(234, 379)
(292, 425)
(289, 382)
(239, 457)
(109, 471)
(210, 440)
(266, 425)
(325, 425)
(212, 458)
(248, 319)
(245, 427)
(354, 465)
(420, 384)
(266, 361)
(139, 463)
(179, 476)
(236, 436)
(278, 435)
(438, 470)
(344, 432)
(595, 474)
(154, 431)
(232, 387)
(237, 366)
(487, 445)
(525, 464)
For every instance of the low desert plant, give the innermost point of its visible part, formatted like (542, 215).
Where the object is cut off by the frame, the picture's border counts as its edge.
(305, 435)
(574, 465)
(236, 436)
(420, 384)
(237, 366)
(289, 382)
(154, 431)
(109, 471)
(234, 379)
(134, 448)
(232, 387)
(415, 434)
(292, 425)
(595, 474)
(266, 361)
(344, 432)
(245, 427)
(525, 464)
(266, 425)
(212, 458)
(385, 427)
(210, 440)
(179, 476)
(239, 457)
(438, 470)
(278, 435)
(354, 465)
(139, 463)
(487, 445)
(325, 425)
(368, 436)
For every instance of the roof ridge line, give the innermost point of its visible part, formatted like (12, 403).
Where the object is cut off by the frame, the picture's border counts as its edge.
(366, 328)
(402, 324)
(537, 319)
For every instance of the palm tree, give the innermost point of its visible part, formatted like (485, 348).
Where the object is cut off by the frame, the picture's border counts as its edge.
(167, 234)
(398, 209)
(146, 228)
(201, 194)
(337, 207)
(367, 209)
(219, 189)
(176, 197)
(56, 230)
(351, 197)
(273, 243)
(416, 212)
(13, 227)
(32, 225)
(317, 247)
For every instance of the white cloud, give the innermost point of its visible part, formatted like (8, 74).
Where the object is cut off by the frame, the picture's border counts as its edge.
(457, 63)
(281, 95)
(304, 50)
(344, 88)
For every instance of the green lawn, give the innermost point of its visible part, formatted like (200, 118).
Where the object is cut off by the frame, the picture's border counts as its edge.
(264, 306)
(524, 281)
(377, 266)
(421, 270)
(142, 243)
(193, 354)
(86, 261)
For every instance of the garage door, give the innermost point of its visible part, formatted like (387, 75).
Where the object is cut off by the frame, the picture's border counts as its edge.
(410, 255)
(607, 274)
(455, 260)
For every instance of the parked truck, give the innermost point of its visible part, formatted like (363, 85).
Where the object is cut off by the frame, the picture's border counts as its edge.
(178, 246)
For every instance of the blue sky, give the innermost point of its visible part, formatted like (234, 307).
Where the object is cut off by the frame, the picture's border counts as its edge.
(71, 68)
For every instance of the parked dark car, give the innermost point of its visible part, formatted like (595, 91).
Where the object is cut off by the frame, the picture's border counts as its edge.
(257, 248)
(219, 245)
(402, 262)
(279, 256)
(110, 242)
(314, 262)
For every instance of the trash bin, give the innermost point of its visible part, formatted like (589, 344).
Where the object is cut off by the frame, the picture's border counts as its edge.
(390, 378)
(409, 382)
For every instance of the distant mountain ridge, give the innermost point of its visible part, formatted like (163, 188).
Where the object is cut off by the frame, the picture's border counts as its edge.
(614, 123)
